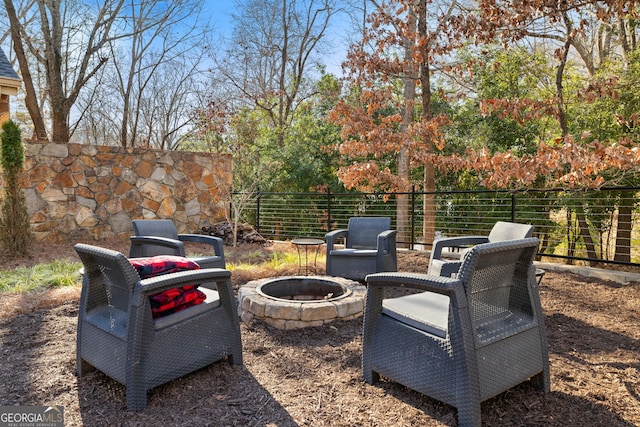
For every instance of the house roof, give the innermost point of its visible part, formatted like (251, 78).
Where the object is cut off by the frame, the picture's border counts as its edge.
(9, 79)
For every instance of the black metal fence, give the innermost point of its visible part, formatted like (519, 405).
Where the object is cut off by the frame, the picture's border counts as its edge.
(586, 225)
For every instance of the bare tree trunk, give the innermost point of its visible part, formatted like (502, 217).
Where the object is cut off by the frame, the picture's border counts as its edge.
(571, 236)
(562, 114)
(66, 72)
(429, 209)
(53, 54)
(586, 235)
(282, 89)
(403, 209)
(31, 98)
(404, 173)
(624, 228)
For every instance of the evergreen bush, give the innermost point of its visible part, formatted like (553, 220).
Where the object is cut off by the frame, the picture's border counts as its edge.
(15, 231)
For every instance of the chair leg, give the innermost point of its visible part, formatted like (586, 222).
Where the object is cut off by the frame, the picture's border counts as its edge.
(469, 414)
(468, 393)
(82, 367)
(542, 382)
(235, 358)
(371, 377)
(136, 398)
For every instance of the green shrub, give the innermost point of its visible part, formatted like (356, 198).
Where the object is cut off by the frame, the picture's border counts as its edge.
(15, 231)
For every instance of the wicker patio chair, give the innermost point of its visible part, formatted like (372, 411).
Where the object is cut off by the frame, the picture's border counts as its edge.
(460, 340)
(117, 334)
(445, 264)
(369, 247)
(160, 237)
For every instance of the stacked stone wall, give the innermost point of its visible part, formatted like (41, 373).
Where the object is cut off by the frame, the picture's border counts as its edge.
(88, 192)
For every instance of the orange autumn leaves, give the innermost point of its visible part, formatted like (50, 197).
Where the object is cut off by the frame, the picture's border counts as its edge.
(564, 163)
(379, 146)
(367, 140)
(372, 141)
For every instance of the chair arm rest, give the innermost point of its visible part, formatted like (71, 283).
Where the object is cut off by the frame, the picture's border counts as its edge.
(163, 282)
(419, 281)
(333, 235)
(455, 242)
(214, 241)
(386, 239)
(387, 234)
(137, 241)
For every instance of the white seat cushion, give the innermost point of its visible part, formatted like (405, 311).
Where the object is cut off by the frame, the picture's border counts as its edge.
(354, 252)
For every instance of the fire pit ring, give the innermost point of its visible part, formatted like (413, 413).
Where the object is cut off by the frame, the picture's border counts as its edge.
(294, 302)
(303, 289)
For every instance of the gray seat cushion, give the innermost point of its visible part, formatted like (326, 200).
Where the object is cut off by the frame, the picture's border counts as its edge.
(212, 301)
(444, 268)
(426, 311)
(114, 321)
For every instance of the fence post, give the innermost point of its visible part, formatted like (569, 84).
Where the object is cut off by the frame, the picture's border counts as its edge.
(413, 215)
(258, 210)
(513, 207)
(328, 210)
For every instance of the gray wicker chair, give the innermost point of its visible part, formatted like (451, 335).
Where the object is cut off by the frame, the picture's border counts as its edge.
(445, 265)
(369, 247)
(117, 335)
(160, 237)
(460, 340)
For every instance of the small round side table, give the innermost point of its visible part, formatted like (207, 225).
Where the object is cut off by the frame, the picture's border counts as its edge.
(306, 243)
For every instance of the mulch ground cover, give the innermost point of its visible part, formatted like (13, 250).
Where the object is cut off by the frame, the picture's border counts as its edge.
(312, 377)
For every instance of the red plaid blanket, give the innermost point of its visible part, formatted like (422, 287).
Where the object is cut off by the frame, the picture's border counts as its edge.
(171, 300)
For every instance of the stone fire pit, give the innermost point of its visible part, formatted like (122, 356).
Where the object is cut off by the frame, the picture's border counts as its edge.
(295, 302)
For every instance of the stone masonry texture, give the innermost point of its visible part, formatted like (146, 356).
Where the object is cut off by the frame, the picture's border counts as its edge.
(88, 192)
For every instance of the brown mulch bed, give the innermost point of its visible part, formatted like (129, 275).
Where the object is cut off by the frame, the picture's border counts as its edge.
(311, 377)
